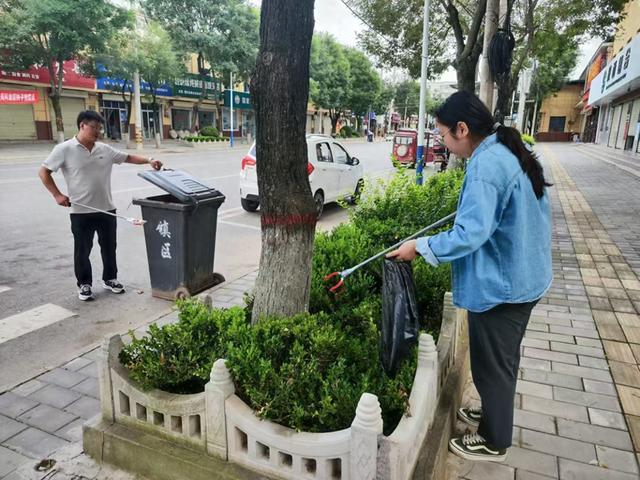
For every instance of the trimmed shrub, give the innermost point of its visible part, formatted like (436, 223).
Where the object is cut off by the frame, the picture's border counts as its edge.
(209, 131)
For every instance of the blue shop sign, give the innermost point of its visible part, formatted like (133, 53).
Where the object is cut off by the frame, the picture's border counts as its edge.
(241, 100)
(116, 85)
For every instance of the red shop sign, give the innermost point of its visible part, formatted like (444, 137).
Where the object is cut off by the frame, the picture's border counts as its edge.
(18, 97)
(72, 77)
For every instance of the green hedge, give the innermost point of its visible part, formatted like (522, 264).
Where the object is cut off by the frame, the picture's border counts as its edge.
(308, 372)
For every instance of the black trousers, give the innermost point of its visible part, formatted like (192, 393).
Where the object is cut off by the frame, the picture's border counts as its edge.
(494, 345)
(84, 226)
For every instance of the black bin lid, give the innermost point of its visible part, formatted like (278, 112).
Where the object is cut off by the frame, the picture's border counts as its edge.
(180, 184)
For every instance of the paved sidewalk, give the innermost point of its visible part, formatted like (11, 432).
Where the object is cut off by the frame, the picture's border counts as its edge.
(46, 414)
(578, 398)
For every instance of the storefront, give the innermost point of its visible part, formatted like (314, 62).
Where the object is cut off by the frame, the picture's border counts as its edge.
(243, 114)
(17, 120)
(616, 90)
(37, 121)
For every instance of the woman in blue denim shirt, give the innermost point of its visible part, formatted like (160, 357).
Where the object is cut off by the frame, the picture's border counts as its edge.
(500, 251)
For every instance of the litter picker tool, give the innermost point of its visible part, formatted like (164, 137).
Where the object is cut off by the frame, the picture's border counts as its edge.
(345, 273)
(131, 220)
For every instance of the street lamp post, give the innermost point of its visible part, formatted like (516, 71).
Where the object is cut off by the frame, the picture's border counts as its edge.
(231, 106)
(423, 94)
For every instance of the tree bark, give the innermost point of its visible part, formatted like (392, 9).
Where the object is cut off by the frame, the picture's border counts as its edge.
(56, 90)
(280, 91)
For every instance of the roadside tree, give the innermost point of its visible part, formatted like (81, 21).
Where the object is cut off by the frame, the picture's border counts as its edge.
(223, 33)
(48, 33)
(280, 92)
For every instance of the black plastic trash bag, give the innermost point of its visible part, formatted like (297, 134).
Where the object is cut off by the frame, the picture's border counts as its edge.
(399, 328)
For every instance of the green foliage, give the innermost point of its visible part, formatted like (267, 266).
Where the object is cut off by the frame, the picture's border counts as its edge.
(386, 214)
(209, 131)
(308, 371)
(528, 139)
(330, 80)
(178, 357)
(224, 31)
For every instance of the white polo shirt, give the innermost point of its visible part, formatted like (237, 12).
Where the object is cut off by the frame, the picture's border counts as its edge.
(88, 174)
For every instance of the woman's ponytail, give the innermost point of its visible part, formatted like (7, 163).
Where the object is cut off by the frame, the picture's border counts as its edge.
(510, 138)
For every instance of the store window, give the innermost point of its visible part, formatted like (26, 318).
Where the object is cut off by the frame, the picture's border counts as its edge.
(180, 119)
(206, 118)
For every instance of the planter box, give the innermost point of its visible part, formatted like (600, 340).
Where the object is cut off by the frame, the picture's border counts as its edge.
(219, 424)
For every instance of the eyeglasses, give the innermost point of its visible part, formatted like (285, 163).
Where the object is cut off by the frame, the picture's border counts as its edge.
(438, 132)
(98, 127)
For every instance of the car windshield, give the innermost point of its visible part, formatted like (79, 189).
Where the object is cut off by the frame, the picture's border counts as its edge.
(252, 151)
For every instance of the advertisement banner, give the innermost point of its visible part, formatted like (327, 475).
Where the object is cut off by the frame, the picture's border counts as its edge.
(39, 74)
(18, 97)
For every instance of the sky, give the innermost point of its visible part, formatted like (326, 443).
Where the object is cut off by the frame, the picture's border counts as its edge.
(334, 17)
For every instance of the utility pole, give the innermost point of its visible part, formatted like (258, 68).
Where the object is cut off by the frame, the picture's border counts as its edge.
(231, 107)
(423, 94)
(138, 107)
(490, 27)
(524, 88)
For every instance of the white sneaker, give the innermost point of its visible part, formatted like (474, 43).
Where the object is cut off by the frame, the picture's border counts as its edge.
(84, 293)
(114, 285)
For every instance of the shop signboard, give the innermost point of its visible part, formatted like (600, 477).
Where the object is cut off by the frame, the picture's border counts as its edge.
(72, 76)
(18, 97)
(118, 84)
(241, 100)
(621, 75)
(190, 85)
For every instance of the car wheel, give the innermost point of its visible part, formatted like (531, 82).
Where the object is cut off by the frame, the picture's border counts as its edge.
(249, 205)
(318, 199)
(355, 198)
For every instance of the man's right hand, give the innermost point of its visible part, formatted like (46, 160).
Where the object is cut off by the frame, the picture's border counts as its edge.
(62, 200)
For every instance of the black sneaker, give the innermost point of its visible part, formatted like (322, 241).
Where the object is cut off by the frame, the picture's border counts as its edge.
(470, 416)
(113, 285)
(474, 447)
(84, 293)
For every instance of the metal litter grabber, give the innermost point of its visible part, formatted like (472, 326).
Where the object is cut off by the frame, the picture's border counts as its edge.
(131, 220)
(345, 273)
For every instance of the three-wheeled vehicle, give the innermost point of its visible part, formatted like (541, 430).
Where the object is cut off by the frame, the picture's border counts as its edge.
(405, 148)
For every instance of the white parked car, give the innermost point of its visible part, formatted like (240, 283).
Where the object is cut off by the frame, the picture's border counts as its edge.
(333, 174)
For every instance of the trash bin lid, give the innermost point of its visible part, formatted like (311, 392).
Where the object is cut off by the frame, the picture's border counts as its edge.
(180, 184)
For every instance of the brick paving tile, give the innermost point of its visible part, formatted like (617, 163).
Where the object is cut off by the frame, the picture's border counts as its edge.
(571, 470)
(10, 460)
(606, 418)
(35, 443)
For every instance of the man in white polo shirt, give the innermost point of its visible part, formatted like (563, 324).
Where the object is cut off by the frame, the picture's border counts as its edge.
(86, 166)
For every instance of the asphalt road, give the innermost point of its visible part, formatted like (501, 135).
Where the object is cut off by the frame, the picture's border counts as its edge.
(36, 254)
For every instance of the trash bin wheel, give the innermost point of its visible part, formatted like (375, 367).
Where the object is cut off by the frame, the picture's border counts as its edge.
(218, 278)
(249, 205)
(182, 293)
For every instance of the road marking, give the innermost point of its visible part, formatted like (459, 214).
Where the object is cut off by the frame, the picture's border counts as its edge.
(242, 225)
(4, 289)
(34, 319)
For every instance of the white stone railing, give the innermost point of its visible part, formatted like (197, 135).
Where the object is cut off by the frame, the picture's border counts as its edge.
(221, 424)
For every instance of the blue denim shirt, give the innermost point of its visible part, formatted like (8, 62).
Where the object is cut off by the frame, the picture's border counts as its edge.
(500, 244)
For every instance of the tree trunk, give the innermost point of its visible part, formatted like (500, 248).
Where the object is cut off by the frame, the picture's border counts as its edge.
(334, 121)
(280, 91)
(466, 74)
(56, 91)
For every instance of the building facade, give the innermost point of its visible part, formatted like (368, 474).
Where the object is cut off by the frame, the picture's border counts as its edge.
(615, 91)
(560, 114)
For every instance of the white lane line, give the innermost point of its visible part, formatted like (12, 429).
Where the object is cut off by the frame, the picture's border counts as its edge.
(241, 225)
(34, 319)
(4, 289)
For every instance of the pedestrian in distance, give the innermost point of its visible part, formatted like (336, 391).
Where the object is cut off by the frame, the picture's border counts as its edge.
(86, 165)
(500, 251)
